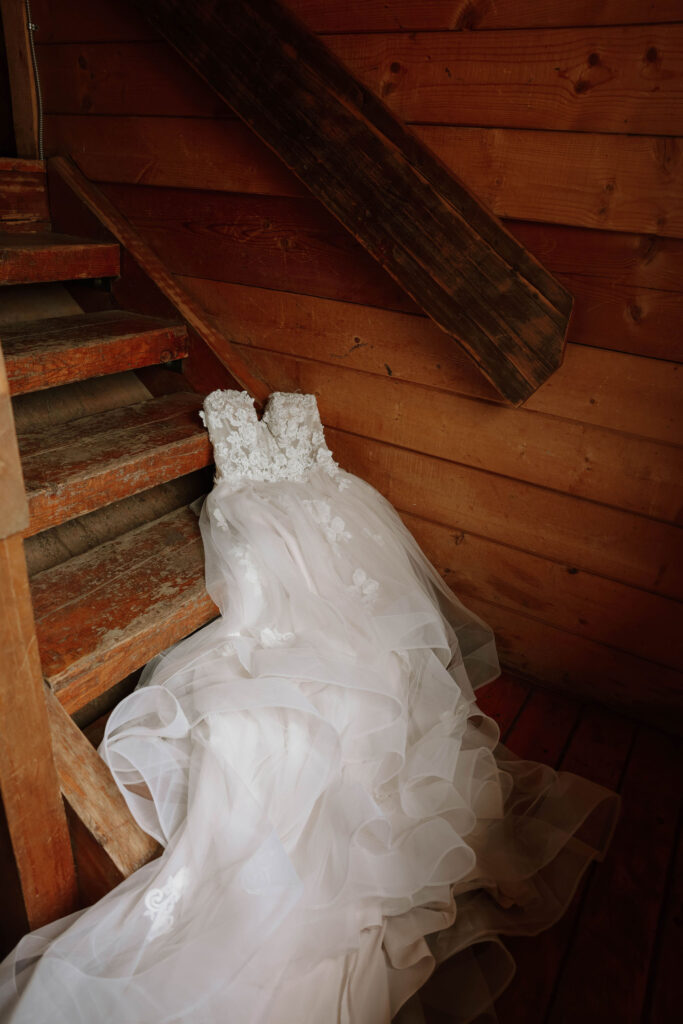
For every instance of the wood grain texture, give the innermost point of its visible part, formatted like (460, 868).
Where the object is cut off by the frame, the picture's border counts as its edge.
(667, 982)
(543, 727)
(415, 219)
(613, 182)
(467, 15)
(226, 156)
(109, 20)
(598, 749)
(606, 388)
(90, 790)
(72, 196)
(579, 534)
(582, 603)
(99, 459)
(107, 612)
(33, 258)
(21, 78)
(292, 244)
(619, 183)
(28, 781)
(503, 699)
(604, 466)
(625, 79)
(13, 504)
(611, 982)
(620, 79)
(46, 353)
(23, 192)
(583, 669)
(147, 78)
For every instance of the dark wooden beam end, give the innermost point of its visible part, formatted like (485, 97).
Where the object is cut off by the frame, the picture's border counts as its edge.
(439, 242)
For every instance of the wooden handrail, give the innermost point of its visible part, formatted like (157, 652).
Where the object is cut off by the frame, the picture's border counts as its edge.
(148, 261)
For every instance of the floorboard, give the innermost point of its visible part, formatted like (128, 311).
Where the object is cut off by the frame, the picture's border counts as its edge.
(615, 954)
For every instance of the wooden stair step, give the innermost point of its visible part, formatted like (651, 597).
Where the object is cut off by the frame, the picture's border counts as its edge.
(105, 613)
(90, 462)
(44, 353)
(44, 257)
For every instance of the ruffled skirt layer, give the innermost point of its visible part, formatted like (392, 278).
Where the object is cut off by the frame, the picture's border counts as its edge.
(338, 816)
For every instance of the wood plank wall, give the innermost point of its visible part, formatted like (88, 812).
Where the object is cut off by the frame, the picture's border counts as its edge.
(557, 522)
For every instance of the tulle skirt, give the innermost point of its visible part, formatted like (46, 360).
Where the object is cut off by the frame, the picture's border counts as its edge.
(338, 816)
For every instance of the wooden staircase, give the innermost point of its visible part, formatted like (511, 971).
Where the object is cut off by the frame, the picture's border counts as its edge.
(112, 536)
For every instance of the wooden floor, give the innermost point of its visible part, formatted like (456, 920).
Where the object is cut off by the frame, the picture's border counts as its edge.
(615, 958)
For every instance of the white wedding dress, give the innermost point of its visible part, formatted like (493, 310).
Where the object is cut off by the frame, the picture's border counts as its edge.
(337, 815)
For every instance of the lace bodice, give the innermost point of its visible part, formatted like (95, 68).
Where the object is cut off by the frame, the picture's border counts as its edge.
(286, 444)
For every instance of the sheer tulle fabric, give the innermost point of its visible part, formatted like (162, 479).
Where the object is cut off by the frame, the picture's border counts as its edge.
(337, 815)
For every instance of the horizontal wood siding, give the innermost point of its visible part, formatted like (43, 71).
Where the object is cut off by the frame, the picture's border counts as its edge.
(558, 522)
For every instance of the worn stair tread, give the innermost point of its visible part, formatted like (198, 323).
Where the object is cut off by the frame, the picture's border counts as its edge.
(45, 257)
(105, 613)
(93, 461)
(45, 353)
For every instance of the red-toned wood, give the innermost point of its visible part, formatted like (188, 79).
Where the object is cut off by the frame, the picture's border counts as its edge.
(203, 370)
(32, 258)
(466, 15)
(624, 898)
(99, 459)
(44, 353)
(592, 180)
(619, 79)
(23, 192)
(269, 241)
(598, 750)
(21, 78)
(226, 156)
(606, 388)
(639, 320)
(602, 465)
(73, 196)
(613, 182)
(79, 20)
(503, 700)
(25, 227)
(543, 727)
(609, 79)
(28, 782)
(104, 614)
(109, 841)
(579, 534)
(582, 668)
(293, 245)
(582, 603)
(667, 980)
(419, 222)
(106, 79)
(13, 505)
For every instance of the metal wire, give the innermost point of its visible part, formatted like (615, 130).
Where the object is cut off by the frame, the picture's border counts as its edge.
(39, 94)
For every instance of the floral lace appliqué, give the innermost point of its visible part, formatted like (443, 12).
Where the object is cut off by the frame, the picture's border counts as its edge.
(364, 586)
(160, 903)
(333, 527)
(287, 444)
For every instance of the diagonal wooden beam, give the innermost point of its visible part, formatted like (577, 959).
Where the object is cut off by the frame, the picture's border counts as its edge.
(416, 218)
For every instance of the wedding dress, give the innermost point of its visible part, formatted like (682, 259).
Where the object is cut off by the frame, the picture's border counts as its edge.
(337, 815)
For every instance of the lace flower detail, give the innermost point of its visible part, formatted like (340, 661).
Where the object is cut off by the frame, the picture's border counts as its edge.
(364, 586)
(333, 527)
(271, 637)
(160, 903)
(287, 444)
(244, 559)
